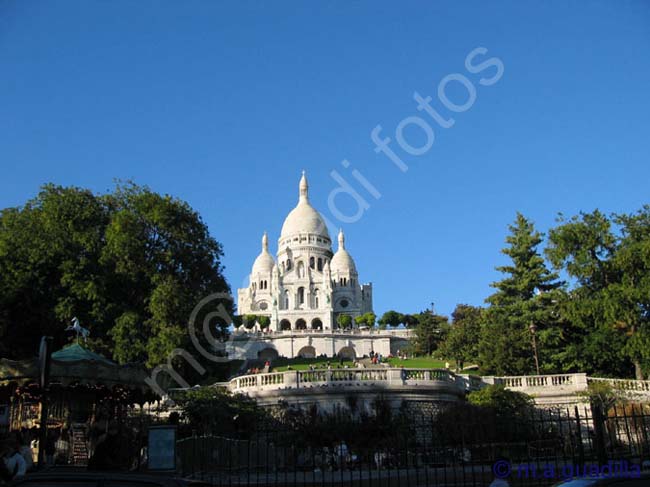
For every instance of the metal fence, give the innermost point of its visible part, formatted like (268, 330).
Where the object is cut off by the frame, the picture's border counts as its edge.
(442, 449)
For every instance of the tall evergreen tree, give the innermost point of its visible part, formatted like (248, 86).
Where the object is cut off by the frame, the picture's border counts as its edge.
(525, 297)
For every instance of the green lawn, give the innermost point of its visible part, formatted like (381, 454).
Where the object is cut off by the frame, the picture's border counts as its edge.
(282, 364)
(424, 363)
(417, 363)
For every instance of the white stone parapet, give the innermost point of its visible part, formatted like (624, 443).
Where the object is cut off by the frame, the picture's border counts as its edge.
(297, 379)
(546, 390)
(629, 385)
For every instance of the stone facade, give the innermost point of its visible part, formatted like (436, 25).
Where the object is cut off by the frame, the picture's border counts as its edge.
(312, 343)
(308, 286)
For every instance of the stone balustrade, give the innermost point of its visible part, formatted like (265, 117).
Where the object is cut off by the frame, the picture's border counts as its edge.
(628, 385)
(524, 382)
(296, 379)
(547, 390)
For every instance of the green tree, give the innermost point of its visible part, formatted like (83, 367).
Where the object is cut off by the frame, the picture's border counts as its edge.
(391, 318)
(214, 411)
(526, 295)
(430, 331)
(504, 401)
(366, 319)
(344, 321)
(410, 321)
(264, 321)
(131, 265)
(50, 269)
(249, 321)
(609, 307)
(462, 341)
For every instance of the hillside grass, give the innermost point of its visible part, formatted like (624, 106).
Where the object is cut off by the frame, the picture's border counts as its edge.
(417, 363)
(282, 364)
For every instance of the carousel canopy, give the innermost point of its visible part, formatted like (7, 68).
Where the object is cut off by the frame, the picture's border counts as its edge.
(77, 353)
(75, 365)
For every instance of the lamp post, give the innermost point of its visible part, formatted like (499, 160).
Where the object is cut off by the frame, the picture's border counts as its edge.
(533, 332)
(44, 362)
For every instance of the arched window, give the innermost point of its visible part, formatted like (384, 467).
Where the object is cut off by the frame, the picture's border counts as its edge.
(320, 264)
(315, 298)
(311, 262)
(301, 295)
(285, 325)
(288, 264)
(286, 299)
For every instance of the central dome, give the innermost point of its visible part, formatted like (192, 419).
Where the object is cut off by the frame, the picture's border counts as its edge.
(304, 218)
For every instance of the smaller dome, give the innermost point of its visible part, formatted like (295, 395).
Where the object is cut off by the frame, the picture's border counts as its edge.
(264, 263)
(342, 260)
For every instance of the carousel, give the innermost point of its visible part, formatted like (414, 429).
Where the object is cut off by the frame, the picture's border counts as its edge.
(86, 391)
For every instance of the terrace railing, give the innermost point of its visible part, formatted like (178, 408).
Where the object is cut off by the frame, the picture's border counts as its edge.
(296, 379)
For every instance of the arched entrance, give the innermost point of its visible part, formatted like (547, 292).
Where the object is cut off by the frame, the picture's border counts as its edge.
(268, 354)
(301, 324)
(307, 352)
(316, 324)
(285, 325)
(348, 353)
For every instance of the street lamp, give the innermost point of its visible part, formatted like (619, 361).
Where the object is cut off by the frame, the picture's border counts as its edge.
(533, 332)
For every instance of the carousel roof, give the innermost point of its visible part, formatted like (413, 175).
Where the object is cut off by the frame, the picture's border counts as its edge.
(75, 365)
(76, 353)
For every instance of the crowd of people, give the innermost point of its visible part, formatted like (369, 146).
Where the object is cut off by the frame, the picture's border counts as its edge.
(109, 448)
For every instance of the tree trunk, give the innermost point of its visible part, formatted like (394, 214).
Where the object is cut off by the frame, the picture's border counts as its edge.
(638, 372)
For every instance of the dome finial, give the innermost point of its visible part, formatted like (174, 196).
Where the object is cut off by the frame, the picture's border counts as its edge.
(341, 239)
(304, 187)
(265, 242)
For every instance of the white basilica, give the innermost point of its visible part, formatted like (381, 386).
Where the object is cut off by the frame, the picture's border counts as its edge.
(308, 286)
(303, 292)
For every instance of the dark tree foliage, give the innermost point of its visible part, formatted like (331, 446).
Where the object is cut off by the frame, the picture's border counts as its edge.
(216, 412)
(462, 341)
(609, 307)
(131, 265)
(391, 318)
(430, 331)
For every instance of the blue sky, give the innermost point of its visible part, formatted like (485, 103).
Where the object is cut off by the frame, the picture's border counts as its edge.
(222, 104)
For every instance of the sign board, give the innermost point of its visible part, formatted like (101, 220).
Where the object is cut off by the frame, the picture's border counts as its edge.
(162, 448)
